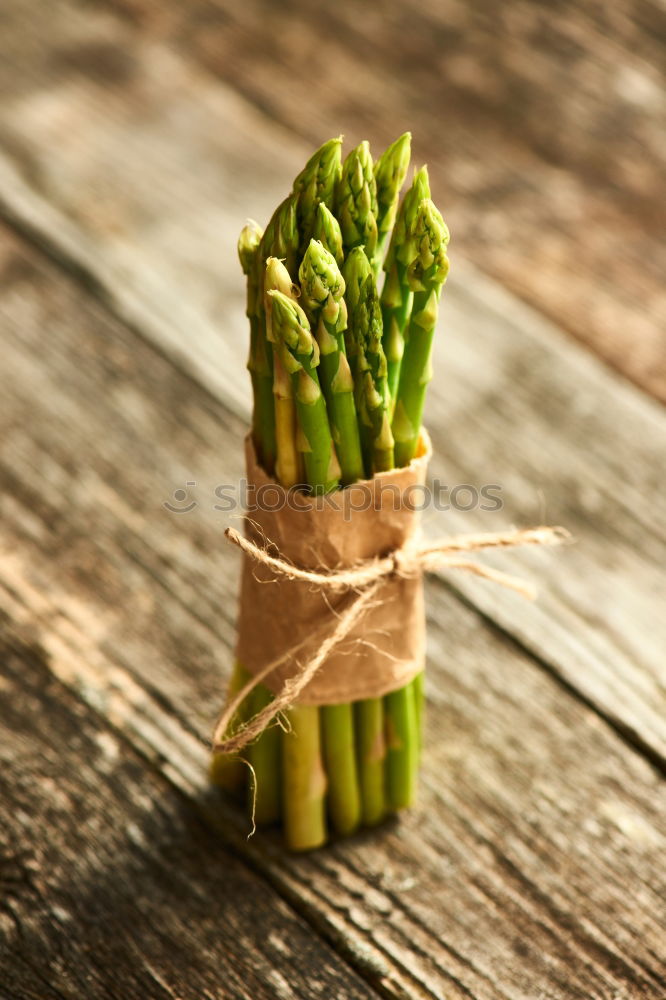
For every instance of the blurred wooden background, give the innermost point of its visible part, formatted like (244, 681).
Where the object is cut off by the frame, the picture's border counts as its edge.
(135, 138)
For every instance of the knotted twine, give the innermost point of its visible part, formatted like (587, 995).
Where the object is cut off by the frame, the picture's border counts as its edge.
(365, 580)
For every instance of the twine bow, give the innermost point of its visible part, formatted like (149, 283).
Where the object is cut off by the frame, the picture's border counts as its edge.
(366, 579)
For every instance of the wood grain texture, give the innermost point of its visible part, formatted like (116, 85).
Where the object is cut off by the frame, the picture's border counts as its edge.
(141, 188)
(532, 866)
(111, 885)
(542, 124)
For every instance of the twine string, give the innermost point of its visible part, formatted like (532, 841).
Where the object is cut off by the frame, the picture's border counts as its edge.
(365, 580)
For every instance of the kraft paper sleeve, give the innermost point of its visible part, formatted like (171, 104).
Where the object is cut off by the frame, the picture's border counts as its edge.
(386, 649)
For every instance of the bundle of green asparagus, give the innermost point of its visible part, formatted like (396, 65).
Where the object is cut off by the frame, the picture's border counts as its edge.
(339, 375)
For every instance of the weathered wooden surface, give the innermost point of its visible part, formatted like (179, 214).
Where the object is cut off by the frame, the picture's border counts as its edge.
(533, 864)
(158, 245)
(542, 124)
(111, 885)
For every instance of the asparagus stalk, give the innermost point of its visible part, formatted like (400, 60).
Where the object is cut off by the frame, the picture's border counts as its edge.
(339, 752)
(390, 784)
(373, 402)
(356, 201)
(316, 185)
(287, 464)
(402, 740)
(279, 240)
(327, 231)
(397, 296)
(304, 779)
(372, 396)
(248, 250)
(356, 271)
(264, 753)
(322, 288)
(299, 354)
(425, 275)
(228, 771)
(368, 714)
(371, 742)
(264, 756)
(390, 173)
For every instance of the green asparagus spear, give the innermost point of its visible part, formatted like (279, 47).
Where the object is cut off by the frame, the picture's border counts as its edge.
(264, 753)
(327, 231)
(371, 741)
(279, 240)
(322, 288)
(356, 271)
(287, 463)
(371, 388)
(264, 756)
(390, 173)
(406, 213)
(426, 274)
(403, 708)
(396, 295)
(248, 252)
(339, 753)
(314, 185)
(356, 201)
(304, 780)
(299, 354)
(368, 714)
(402, 742)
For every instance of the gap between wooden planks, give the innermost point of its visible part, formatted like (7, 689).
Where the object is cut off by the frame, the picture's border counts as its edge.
(522, 871)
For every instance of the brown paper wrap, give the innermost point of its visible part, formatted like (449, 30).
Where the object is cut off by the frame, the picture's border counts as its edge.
(386, 649)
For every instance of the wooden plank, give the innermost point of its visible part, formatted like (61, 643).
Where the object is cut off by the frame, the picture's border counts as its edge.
(112, 887)
(514, 109)
(146, 210)
(532, 866)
